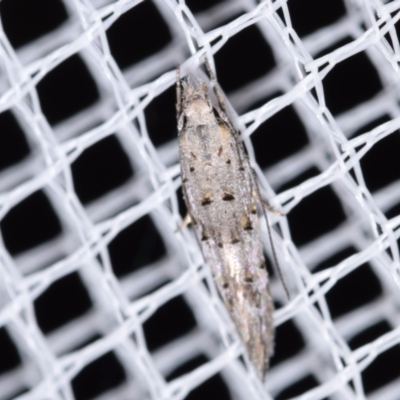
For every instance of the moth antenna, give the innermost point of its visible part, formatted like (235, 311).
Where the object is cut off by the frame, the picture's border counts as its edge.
(271, 242)
(276, 262)
(216, 86)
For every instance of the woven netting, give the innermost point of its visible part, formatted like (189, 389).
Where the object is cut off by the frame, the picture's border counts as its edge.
(102, 295)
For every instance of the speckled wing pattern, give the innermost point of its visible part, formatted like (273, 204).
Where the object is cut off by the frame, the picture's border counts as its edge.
(221, 197)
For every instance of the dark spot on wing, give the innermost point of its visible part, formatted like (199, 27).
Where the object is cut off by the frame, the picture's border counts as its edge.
(227, 196)
(220, 245)
(225, 285)
(228, 161)
(252, 209)
(248, 279)
(246, 223)
(206, 199)
(241, 168)
(235, 240)
(191, 169)
(193, 155)
(220, 151)
(185, 180)
(205, 235)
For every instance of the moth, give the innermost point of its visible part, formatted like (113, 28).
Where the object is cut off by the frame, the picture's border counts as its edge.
(224, 203)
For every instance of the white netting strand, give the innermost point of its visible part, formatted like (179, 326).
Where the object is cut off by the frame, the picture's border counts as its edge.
(101, 295)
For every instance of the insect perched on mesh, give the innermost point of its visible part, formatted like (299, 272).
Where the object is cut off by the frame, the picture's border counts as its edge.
(223, 201)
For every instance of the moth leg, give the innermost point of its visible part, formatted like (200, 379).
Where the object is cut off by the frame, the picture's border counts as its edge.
(185, 223)
(217, 88)
(272, 209)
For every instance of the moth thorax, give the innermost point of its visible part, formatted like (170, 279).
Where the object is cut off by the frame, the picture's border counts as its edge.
(199, 111)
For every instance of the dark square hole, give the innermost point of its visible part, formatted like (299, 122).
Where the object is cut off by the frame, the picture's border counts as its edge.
(308, 16)
(170, 321)
(10, 358)
(288, 342)
(26, 20)
(315, 215)
(181, 202)
(137, 245)
(385, 368)
(137, 34)
(30, 223)
(161, 117)
(388, 36)
(393, 211)
(351, 81)
(101, 375)
(100, 168)
(213, 388)
(201, 5)
(245, 57)
(13, 144)
(279, 136)
(63, 301)
(66, 90)
(356, 289)
(298, 388)
(380, 164)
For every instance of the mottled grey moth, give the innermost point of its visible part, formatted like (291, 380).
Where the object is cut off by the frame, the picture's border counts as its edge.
(223, 201)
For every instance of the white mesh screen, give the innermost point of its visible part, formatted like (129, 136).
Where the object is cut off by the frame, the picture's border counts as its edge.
(101, 296)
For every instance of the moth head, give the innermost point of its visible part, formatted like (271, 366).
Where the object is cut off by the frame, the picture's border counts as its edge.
(195, 100)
